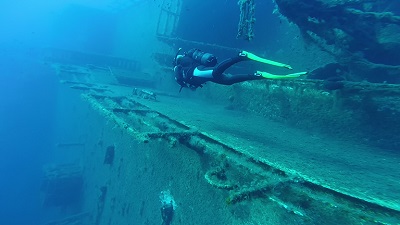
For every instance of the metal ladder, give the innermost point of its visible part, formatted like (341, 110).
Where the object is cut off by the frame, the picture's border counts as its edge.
(169, 18)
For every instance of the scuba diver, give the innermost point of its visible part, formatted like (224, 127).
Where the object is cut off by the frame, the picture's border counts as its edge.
(195, 67)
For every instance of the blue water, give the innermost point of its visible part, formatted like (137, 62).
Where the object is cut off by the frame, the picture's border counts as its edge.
(27, 104)
(29, 92)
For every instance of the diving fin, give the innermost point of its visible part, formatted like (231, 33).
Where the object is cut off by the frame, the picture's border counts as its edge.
(273, 76)
(262, 60)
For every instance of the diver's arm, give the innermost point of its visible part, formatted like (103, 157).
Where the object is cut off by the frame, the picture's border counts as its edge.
(179, 76)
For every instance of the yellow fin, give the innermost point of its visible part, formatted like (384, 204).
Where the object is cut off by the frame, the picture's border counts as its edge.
(266, 61)
(274, 76)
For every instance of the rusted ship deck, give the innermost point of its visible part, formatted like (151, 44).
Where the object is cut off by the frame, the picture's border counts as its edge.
(337, 175)
(245, 157)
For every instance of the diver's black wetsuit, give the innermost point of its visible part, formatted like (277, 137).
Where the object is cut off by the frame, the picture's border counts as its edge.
(190, 73)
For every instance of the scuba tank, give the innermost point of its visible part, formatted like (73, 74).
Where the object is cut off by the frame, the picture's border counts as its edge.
(205, 59)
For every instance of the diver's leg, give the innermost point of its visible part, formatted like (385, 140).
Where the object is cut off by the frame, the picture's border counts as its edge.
(228, 79)
(224, 65)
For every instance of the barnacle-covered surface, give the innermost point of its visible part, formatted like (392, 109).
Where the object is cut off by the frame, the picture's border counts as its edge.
(247, 19)
(364, 112)
(362, 35)
(254, 170)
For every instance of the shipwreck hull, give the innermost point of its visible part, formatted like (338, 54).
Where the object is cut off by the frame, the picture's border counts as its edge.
(234, 156)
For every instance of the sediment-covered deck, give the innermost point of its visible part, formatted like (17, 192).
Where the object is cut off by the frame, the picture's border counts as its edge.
(280, 162)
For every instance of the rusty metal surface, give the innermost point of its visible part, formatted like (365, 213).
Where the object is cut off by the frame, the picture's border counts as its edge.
(352, 175)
